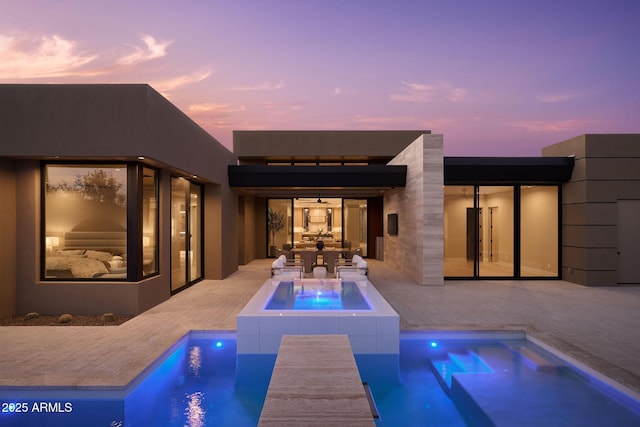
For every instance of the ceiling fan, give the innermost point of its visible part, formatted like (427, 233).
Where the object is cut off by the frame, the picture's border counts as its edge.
(315, 202)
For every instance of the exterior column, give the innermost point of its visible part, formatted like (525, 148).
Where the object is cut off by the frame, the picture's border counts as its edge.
(418, 248)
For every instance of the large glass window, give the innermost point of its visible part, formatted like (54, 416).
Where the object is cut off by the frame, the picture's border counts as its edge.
(149, 221)
(85, 221)
(539, 231)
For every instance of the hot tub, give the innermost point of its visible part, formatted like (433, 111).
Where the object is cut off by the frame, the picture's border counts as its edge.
(317, 295)
(318, 307)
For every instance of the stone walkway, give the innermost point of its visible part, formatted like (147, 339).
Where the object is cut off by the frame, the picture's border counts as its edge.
(597, 326)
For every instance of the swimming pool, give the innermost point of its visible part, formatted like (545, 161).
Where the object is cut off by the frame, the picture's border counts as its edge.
(434, 380)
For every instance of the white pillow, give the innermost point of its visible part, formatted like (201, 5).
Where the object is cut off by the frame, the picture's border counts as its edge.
(116, 263)
(356, 259)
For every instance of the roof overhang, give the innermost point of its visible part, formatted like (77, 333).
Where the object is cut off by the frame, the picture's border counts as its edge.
(374, 180)
(507, 170)
(369, 180)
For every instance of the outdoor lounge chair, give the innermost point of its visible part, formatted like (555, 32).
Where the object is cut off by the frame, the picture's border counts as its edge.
(282, 267)
(354, 268)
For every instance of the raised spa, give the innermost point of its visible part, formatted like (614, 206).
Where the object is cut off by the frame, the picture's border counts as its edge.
(318, 307)
(317, 295)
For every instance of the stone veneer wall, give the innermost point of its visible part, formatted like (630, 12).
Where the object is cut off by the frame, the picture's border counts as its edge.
(607, 169)
(418, 249)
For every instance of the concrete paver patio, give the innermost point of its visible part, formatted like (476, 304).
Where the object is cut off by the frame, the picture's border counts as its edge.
(597, 326)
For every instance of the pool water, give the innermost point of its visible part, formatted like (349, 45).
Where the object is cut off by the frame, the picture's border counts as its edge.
(202, 382)
(317, 295)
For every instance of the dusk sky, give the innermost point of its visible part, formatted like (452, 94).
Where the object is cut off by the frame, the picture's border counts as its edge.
(496, 77)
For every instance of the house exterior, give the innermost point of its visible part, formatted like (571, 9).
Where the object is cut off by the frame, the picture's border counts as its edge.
(113, 200)
(114, 169)
(601, 209)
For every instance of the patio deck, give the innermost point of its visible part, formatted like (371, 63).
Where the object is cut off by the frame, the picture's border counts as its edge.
(596, 326)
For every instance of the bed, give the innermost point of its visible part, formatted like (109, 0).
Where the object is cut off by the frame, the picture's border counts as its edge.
(89, 255)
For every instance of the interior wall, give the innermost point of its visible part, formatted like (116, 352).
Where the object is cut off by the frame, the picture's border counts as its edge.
(8, 239)
(455, 221)
(540, 215)
(418, 249)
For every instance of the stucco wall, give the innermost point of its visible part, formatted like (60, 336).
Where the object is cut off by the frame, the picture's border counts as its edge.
(8, 239)
(220, 232)
(607, 169)
(417, 250)
(246, 229)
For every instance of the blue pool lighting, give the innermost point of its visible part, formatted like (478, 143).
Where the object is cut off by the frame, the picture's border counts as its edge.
(202, 380)
(328, 295)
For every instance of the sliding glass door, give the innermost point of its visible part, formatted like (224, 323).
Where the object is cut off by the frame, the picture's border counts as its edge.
(186, 233)
(501, 231)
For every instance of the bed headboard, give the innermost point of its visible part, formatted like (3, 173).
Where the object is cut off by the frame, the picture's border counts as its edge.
(107, 241)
